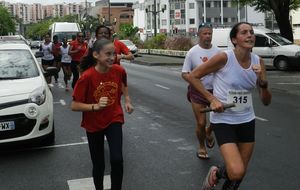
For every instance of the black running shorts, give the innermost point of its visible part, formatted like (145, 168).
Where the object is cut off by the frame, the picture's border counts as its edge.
(234, 133)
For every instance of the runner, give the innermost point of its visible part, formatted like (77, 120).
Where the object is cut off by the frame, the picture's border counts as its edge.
(97, 94)
(48, 58)
(78, 49)
(57, 56)
(236, 73)
(197, 55)
(66, 62)
(121, 50)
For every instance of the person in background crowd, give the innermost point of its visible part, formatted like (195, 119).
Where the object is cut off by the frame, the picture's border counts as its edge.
(48, 58)
(88, 39)
(77, 50)
(97, 94)
(121, 50)
(197, 55)
(236, 73)
(57, 55)
(66, 62)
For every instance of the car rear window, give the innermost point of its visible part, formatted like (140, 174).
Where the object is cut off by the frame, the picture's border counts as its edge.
(17, 64)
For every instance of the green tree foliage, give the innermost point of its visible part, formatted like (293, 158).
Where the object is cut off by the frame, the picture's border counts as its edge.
(37, 30)
(89, 23)
(281, 10)
(7, 24)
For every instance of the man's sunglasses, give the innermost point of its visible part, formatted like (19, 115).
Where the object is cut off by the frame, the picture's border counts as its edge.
(205, 25)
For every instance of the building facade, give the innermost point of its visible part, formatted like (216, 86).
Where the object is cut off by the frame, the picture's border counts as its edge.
(184, 16)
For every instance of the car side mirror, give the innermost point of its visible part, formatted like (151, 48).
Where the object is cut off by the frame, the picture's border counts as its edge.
(50, 71)
(38, 54)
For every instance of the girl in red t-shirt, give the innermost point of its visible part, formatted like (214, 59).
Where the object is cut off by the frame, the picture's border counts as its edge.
(97, 94)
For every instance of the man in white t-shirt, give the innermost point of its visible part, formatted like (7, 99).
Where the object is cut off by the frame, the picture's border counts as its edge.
(198, 54)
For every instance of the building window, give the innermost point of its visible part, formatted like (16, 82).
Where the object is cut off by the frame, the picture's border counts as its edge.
(208, 4)
(177, 5)
(124, 16)
(191, 5)
(225, 3)
(192, 21)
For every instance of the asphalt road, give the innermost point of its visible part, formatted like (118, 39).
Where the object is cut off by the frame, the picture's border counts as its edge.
(159, 140)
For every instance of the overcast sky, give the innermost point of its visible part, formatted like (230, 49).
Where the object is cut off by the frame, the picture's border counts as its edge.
(50, 2)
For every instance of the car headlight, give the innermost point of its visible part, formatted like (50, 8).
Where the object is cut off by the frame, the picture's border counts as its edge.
(38, 96)
(297, 54)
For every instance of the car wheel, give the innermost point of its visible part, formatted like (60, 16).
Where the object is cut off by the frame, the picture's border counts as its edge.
(281, 63)
(50, 139)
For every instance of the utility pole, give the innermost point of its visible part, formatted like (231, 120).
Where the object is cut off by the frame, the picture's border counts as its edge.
(154, 12)
(154, 16)
(109, 11)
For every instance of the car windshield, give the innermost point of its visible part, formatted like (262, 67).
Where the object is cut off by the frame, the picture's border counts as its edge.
(17, 64)
(127, 42)
(279, 39)
(62, 35)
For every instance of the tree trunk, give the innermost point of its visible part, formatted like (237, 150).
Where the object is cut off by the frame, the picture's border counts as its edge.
(283, 20)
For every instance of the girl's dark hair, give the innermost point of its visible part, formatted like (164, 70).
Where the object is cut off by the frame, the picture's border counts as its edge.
(102, 26)
(89, 60)
(235, 30)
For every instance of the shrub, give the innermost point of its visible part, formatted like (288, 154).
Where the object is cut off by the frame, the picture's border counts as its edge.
(178, 43)
(156, 42)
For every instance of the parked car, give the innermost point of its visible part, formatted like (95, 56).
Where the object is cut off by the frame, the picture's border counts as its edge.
(133, 49)
(35, 44)
(272, 47)
(26, 102)
(13, 39)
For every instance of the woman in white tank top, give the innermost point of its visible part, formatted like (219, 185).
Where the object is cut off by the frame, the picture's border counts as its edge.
(66, 62)
(237, 73)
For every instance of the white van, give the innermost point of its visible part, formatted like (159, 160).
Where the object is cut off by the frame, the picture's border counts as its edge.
(64, 29)
(276, 50)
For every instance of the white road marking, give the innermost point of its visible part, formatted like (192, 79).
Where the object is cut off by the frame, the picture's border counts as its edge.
(161, 86)
(61, 101)
(261, 119)
(289, 83)
(87, 183)
(61, 145)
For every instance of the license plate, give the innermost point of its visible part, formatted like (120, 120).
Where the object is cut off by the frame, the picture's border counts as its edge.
(7, 125)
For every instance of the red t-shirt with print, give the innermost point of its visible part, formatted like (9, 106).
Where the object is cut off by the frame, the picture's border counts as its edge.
(83, 48)
(120, 48)
(91, 86)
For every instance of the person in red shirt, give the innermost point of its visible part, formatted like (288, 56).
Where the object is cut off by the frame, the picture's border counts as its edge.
(57, 55)
(77, 50)
(121, 50)
(97, 94)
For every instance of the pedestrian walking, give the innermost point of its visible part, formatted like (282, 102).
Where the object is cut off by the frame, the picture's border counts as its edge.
(121, 50)
(78, 49)
(197, 55)
(97, 94)
(48, 58)
(66, 62)
(236, 73)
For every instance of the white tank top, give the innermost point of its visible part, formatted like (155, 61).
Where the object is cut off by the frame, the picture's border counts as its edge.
(47, 51)
(234, 84)
(65, 57)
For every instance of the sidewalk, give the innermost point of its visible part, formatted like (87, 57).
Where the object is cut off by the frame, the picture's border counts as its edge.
(154, 60)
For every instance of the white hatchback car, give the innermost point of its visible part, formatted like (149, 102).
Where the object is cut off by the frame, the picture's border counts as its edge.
(26, 102)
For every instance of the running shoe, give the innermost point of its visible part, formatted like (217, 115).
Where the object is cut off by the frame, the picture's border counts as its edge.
(211, 179)
(67, 88)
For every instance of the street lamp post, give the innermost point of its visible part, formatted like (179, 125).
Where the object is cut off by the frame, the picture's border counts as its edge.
(154, 12)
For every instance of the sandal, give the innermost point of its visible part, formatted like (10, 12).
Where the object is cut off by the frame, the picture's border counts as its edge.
(202, 155)
(210, 142)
